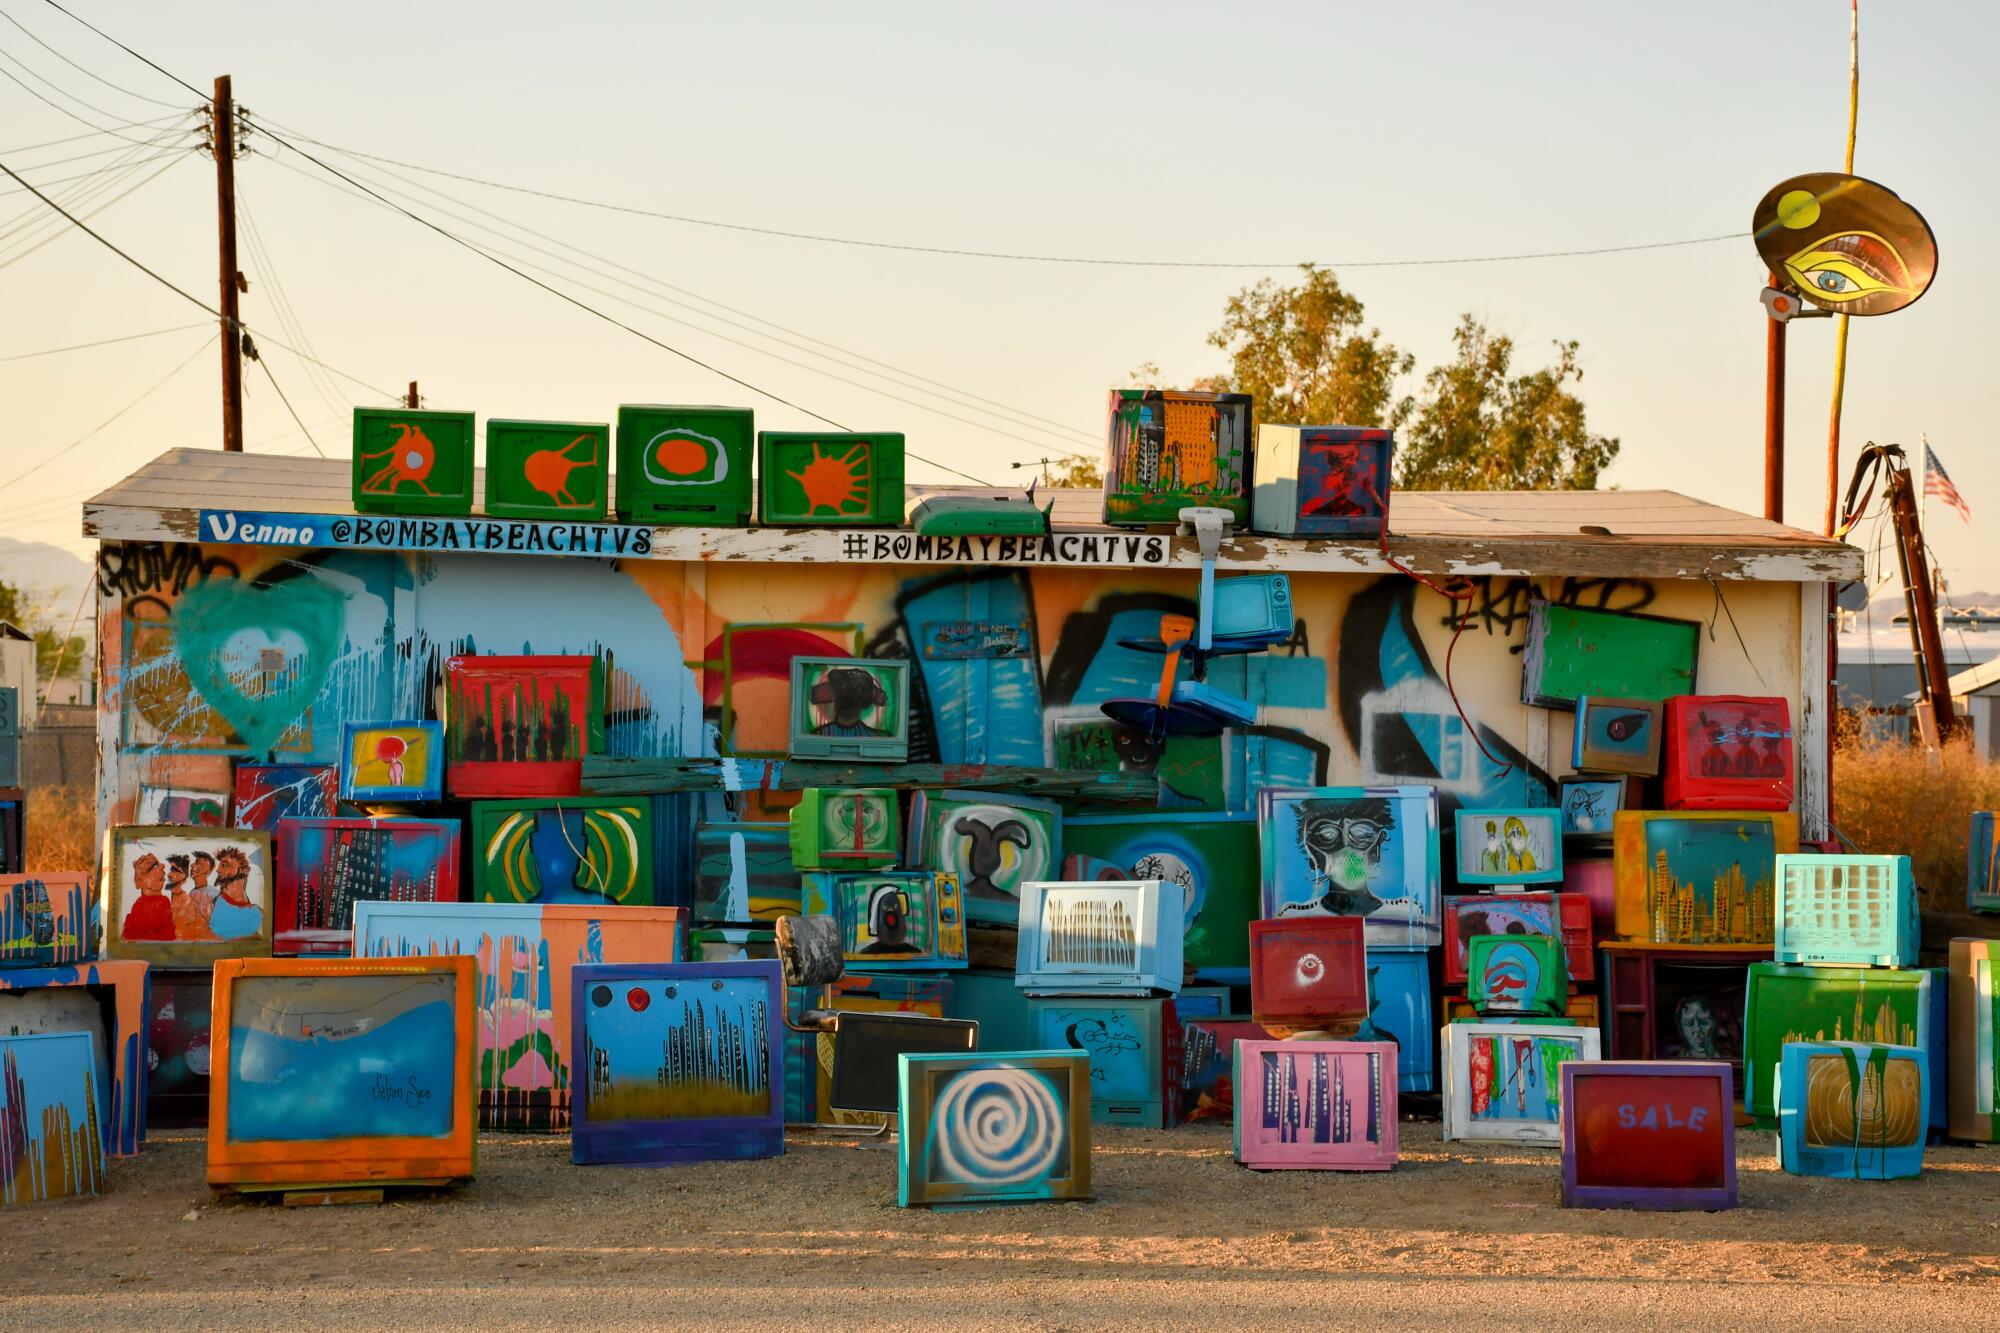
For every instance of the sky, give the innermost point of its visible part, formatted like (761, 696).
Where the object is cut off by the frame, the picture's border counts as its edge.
(1339, 133)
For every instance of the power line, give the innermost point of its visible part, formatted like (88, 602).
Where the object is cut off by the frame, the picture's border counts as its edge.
(126, 49)
(157, 384)
(102, 342)
(250, 350)
(964, 253)
(288, 316)
(57, 106)
(176, 159)
(80, 69)
(51, 143)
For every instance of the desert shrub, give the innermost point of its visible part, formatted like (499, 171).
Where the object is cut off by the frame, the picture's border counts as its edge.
(1894, 799)
(62, 828)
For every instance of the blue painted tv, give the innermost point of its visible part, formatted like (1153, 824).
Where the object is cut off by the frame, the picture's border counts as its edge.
(1852, 1110)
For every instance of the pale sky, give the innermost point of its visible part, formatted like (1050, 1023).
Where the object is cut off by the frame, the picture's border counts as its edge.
(1251, 133)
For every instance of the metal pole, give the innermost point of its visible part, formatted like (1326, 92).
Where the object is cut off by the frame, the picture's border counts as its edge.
(223, 116)
(410, 399)
(1774, 416)
(1840, 321)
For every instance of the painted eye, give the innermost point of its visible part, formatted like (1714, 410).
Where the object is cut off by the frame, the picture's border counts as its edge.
(1834, 283)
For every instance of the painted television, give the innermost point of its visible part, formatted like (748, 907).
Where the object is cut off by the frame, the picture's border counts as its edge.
(325, 866)
(1516, 846)
(1728, 752)
(1315, 1105)
(867, 1075)
(392, 762)
(1846, 909)
(1852, 1110)
(1982, 888)
(555, 471)
(978, 1129)
(1588, 804)
(1784, 1003)
(830, 479)
(891, 920)
(1208, 1053)
(1578, 651)
(525, 954)
(810, 1056)
(744, 873)
(108, 1002)
(1116, 937)
(49, 1144)
(1616, 736)
(585, 849)
(1134, 1047)
(342, 1072)
(850, 708)
(182, 805)
(1308, 972)
(1399, 1011)
(1503, 1081)
(1564, 916)
(1321, 481)
(844, 828)
(1974, 1077)
(517, 725)
(1699, 877)
(1653, 1135)
(680, 1062)
(267, 793)
(1517, 974)
(178, 1053)
(47, 918)
(411, 461)
(993, 842)
(185, 895)
(1371, 852)
(685, 466)
(1203, 853)
(1168, 450)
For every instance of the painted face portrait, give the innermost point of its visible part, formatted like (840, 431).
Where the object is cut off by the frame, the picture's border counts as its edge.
(1696, 1023)
(1846, 244)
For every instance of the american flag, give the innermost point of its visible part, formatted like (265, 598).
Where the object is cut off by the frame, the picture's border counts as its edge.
(1938, 482)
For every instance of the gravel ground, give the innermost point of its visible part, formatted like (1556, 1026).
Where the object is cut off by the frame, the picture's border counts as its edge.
(1178, 1234)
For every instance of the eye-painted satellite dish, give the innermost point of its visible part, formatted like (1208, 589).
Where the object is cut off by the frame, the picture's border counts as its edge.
(1849, 245)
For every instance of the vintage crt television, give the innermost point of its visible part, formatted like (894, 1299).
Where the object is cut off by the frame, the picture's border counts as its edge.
(1100, 937)
(517, 725)
(1203, 853)
(1516, 974)
(743, 873)
(891, 920)
(1208, 1053)
(325, 866)
(50, 1147)
(985, 1128)
(1616, 736)
(178, 1046)
(1503, 1081)
(1399, 1011)
(410, 461)
(868, 1050)
(1322, 481)
(1982, 887)
(1699, 877)
(267, 793)
(1512, 846)
(1371, 852)
(176, 895)
(343, 1072)
(677, 1062)
(844, 828)
(684, 466)
(578, 849)
(1134, 1047)
(846, 479)
(1251, 611)
(1308, 971)
(48, 918)
(557, 471)
(1657, 1135)
(730, 944)
(1852, 1110)
(850, 708)
(1557, 914)
(810, 1054)
(993, 842)
(1784, 1003)
(1167, 450)
(1315, 1105)
(1727, 752)
(108, 1001)
(1846, 909)
(1974, 1075)
(392, 762)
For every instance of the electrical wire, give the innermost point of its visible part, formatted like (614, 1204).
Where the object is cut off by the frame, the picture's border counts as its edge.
(281, 303)
(92, 134)
(126, 49)
(249, 350)
(58, 234)
(156, 386)
(57, 106)
(972, 401)
(74, 157)
(101, 342)
(80, 69)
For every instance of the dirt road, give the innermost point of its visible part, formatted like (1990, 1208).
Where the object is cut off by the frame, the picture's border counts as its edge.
(1178, 1235)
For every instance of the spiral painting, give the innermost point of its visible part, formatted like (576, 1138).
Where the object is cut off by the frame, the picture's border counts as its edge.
(990, 1129)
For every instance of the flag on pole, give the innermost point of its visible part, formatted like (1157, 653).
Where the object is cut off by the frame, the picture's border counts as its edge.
(1938, 482)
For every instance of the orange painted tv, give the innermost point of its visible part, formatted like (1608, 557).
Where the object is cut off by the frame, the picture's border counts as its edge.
(332, 1073)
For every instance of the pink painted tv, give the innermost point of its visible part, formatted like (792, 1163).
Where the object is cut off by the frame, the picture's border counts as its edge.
(1316, 1105)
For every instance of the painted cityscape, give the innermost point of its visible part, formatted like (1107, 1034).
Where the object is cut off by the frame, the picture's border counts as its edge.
(1322, 1110)
(333, 864)
(1710, 881)
(50, 1147)
(678, 1050)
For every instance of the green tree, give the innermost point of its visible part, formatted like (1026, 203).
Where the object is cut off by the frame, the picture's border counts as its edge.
(13, 606)
(55, 657)
(1477, 427)
(1302, 355)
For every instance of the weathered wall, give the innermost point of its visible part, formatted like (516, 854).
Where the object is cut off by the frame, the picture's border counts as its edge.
(209, 652)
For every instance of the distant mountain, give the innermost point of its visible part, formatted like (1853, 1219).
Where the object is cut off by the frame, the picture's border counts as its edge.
(50, 578)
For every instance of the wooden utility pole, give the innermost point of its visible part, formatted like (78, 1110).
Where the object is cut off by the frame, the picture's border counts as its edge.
(410, 400)
(223, 125)
(1774, 415)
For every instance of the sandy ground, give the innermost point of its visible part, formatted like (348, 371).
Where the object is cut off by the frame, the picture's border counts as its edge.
(1178, 1234)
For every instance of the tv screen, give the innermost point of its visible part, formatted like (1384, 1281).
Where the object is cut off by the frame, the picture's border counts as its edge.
(993, 1128)
(867, 1047)
(1642, 1131)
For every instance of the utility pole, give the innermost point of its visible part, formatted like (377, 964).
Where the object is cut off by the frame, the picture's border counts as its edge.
(411, 400)
(222, 124)
(1774, 416)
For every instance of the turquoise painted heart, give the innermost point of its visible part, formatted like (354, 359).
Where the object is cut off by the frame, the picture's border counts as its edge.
(259, 656)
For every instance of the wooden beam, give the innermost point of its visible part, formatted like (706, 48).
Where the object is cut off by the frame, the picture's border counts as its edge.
(615, 775)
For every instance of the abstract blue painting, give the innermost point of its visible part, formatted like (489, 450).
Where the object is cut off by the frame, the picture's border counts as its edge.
(1370, 852)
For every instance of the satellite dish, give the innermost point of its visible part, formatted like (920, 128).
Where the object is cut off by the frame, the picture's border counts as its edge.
(1850, 246)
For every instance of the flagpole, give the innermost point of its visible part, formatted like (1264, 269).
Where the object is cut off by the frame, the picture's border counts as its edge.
(1924, 486)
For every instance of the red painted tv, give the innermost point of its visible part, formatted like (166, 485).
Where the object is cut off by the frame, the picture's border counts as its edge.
(516, 726)
(1728, 752)
(1519, 914)
(1308, 972)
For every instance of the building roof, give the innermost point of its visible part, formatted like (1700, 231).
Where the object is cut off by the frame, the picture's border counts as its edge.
(1606, 534)
(1976, 679)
